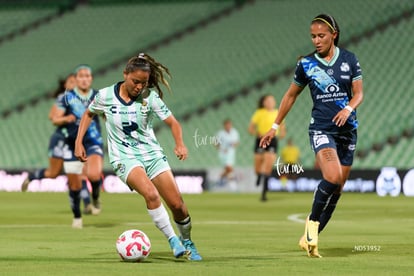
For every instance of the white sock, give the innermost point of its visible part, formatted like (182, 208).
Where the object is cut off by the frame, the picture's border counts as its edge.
(184, 227)
(162, 221)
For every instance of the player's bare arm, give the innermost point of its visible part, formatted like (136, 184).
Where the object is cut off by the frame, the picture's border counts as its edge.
(285, 105)
(342, 116)
(86, 120)
(180, 149)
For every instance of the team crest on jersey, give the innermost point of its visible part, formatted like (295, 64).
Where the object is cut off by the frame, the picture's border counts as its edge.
(330, 71)
(120, 167)
(144, 106)
(345, 67)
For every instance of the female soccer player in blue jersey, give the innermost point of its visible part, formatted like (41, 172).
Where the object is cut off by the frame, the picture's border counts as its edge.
(57, 140)
(134, 152)
(334, 78)
(74, 103)
(58, 147)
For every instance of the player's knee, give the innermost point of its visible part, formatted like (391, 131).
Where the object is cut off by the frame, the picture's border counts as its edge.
(53, 173)
(94, 176)
(151, 196)
(177, 206)
(333, 177)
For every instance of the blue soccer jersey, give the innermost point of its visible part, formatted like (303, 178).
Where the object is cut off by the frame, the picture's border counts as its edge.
(73, 102)
(330, 84)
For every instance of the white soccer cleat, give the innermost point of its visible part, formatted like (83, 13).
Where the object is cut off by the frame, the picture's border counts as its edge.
(77, 223)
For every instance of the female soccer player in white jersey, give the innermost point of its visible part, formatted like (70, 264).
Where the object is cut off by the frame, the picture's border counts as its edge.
(135, 154)
(334, 78)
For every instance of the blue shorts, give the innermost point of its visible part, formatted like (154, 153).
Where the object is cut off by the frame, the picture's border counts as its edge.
(58, 148)
(90, 148)
(343, 143)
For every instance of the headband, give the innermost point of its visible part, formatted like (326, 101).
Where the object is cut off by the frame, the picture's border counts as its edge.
(326, 22)
(142, 65)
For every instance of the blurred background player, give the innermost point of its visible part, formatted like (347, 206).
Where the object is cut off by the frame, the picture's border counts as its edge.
(334, 78)
(264, 158)
(290, 156)
(57, 140)
(75, 102)
(135, 154)
(58, 146)
(228, 139)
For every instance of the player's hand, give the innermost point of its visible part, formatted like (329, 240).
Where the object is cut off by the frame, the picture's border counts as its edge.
(80, 152)
(181, 152)
(70, 118)
(341, 117)
(267, 138)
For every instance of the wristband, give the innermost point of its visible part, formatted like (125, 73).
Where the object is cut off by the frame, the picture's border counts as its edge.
(275, 126)
(349, 108)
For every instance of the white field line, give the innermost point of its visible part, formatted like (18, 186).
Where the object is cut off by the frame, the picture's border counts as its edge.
(297, 218)
(293, 217)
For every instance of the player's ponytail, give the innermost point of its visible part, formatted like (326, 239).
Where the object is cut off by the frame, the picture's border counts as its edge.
(157, 71)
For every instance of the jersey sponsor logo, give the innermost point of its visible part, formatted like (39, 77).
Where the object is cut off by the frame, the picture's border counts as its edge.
(345, 77)
(115, 110)
(319, 140)
(345, 67)
(128, 127)
(332, 88)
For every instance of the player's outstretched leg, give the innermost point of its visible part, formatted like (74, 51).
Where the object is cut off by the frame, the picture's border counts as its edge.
(162, 221)
(38, 174)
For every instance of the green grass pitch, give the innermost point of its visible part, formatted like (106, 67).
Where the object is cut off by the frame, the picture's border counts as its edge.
(235, 233)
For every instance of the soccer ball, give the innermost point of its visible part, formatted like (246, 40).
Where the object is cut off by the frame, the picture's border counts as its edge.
(133, 246)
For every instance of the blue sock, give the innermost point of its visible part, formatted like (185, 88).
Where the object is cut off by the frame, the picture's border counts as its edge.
(84, 194)
(327, 213)
(322, 194)
(96, 187)
(74, 200)
(38, 174)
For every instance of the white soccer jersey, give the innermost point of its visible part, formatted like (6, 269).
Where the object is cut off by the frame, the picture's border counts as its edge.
(227, 140)
(129, 125)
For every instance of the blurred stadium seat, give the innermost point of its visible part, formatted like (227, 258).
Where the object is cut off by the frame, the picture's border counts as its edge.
(256, 41)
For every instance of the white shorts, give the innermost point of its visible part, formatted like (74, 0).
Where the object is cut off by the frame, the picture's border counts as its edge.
(228, 158)
(73, 167)
(153, 167)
